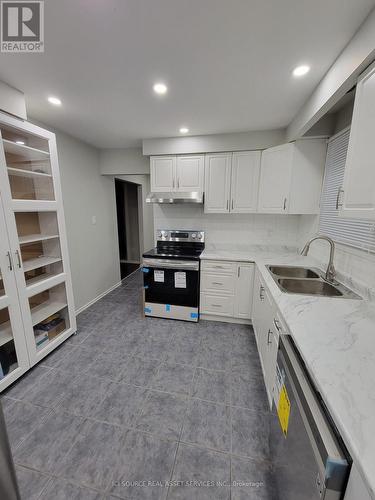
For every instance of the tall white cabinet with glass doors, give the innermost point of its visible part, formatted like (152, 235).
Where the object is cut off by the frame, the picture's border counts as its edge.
(36, 299)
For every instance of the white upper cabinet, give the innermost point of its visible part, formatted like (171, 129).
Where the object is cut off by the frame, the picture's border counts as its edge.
(275, 176)
(358, 199)
(291, 177)
(177, 173)
(163, 173)
(217, 182)
(190, 173)
(245, 181)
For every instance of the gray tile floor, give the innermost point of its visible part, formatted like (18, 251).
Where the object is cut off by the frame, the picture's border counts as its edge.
(137, 408)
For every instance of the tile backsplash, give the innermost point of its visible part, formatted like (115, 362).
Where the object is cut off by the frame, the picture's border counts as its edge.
(239, 229)
(354, 266)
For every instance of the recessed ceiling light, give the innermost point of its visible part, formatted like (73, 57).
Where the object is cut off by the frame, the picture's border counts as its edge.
(160, 88)
(54, 100)
(301, 70)
(184, 130)
(20, 142)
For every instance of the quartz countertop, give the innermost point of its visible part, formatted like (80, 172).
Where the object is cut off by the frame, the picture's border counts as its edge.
(336, 339)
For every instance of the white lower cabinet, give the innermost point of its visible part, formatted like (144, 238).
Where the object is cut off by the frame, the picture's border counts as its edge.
(356, 488)
(267, 327)
(226, 289)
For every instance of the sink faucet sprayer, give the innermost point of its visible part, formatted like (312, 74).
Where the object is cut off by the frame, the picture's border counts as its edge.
(331, 272)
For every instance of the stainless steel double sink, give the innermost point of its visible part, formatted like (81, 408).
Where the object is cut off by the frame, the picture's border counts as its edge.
(308, 281)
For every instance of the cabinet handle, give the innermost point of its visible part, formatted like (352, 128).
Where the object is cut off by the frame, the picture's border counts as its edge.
(261, 290)
(269, 339)
(239, 271)
(284, 203)
(276, 322)
(10, 265)
(227, 204)
(232, 204)
(18, 259)
(178, 183)
(338, 204)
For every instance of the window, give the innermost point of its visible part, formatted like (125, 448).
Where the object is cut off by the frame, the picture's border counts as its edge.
(354, 232)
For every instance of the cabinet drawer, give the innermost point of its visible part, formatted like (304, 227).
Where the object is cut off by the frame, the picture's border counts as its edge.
(216, 305)
(213, 282)
(218, 266)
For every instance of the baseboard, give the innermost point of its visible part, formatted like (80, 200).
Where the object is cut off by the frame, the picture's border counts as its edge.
(225, 319)
(81, 309)
(131, 274)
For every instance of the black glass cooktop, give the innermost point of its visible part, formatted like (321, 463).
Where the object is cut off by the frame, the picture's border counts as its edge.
(179, 250)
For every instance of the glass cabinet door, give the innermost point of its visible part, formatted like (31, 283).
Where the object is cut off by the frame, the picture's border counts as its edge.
(28, 165)
(13, 352)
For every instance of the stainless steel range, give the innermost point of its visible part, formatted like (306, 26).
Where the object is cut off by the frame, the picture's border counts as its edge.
(171, 275)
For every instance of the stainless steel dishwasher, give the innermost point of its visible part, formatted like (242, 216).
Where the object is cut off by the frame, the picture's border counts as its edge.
(310, 460)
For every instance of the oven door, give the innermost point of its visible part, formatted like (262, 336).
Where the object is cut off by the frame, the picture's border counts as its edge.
(171, 288)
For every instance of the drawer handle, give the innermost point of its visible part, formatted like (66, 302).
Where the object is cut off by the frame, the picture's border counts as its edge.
(261, 290)
(218, 267)
(216, 305)
(217, 283)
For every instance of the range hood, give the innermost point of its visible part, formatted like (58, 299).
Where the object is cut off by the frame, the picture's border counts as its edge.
(175, 197)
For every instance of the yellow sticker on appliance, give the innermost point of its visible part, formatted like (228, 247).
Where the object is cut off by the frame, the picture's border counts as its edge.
(283, 410)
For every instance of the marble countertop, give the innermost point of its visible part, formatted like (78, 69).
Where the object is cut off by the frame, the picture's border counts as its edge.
(336, 339)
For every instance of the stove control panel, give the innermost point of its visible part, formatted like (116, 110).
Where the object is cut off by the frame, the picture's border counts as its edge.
(179, 235)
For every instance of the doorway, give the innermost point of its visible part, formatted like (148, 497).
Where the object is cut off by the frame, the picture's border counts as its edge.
(128, 198)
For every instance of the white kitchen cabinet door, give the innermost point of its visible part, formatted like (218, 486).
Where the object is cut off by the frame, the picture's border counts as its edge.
(163, 173)
(358, 197)
(275, 179)
(245, 181)
(217, 182)
(244, 291)
(190, 173)
(356, 488)
(258, 313)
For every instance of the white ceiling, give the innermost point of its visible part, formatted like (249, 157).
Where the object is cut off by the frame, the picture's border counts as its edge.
(227, 64)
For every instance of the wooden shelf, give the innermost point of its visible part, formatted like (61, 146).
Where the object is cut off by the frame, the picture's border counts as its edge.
(5, 333)
(43, 311)
(27, 153)
(34, 238)
(30, 265)
(20, 172)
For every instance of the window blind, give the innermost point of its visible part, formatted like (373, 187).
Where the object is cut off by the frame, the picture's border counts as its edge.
(353, 232)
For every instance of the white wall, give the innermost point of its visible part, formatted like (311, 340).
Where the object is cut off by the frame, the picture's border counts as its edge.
(93, 249)
(214, 143)
(123, 161)
(342, 75)
(237, 229)
(147, 213)
(12, 101)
